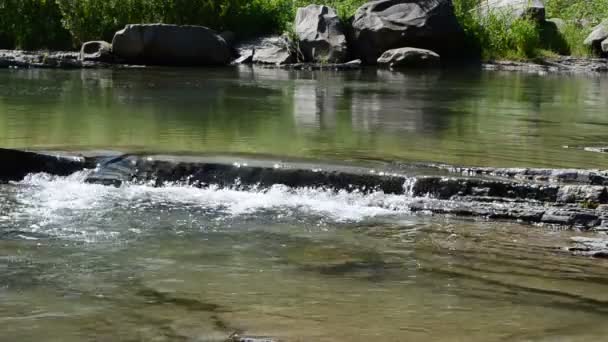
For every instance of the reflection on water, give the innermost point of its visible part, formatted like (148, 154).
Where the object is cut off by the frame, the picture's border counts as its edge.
(82, 262)
(472, 118)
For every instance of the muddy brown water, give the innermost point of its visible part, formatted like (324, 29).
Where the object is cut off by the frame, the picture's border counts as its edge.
(83, 262)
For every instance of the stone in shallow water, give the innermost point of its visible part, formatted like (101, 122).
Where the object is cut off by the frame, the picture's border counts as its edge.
(113, 171)
(409, 58)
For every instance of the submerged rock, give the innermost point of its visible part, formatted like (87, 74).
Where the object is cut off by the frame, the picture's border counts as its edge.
(320, 34)
(409, 58)
(382, 25)
(170, 45)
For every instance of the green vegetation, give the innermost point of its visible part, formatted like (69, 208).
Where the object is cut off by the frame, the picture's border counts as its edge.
(59, 24)
(499, 36)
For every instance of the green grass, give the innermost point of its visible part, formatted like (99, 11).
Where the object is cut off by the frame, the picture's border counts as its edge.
(498, 36)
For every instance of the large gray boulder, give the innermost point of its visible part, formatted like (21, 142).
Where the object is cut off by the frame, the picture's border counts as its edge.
(409, 58)
(170, 45)
(321, 34)
(534, 9)
(598, 36)
(274, 50)
(96, 51)
(605, 46)
(382, 25)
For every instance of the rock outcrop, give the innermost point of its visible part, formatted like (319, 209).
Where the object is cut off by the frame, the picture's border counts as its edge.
(275, 50)
(382, 25)
(15, 165)
(569, 198)
(321, 35)
(162, 44)
(409, 58)
(597, 37)
(96, 51)
(534, 9)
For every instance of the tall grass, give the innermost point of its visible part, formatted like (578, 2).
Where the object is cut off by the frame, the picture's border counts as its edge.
(498, 35)
(592, 10)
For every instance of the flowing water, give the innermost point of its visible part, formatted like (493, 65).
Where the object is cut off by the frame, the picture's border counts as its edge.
(83, 262)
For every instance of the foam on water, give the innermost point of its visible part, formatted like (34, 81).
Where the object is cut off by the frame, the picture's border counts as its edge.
(68, 207)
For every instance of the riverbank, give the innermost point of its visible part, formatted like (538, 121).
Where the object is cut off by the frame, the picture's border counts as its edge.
(18, 59)
(382, 32)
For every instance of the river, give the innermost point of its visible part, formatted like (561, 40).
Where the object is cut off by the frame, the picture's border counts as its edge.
(85, 262)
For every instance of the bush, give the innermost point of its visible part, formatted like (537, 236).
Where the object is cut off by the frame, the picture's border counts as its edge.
(30, 24)
(95, 19)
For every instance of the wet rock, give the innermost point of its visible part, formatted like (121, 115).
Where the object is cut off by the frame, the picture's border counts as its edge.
(562, 64)
(445, 188)
(571, 217)
(534, 9)
(202, 174)
(320, 34)
(50, 60)
(605, 46)
(597, 36)
(498, 211)
(382, 25)
(582, 193)
(96, 51)
(113, 171)
(575, 176)
(15, 165)
(352, 65)
(274, 50)
(593, 247)
(409, 58)
(164, 44)
(40, 59)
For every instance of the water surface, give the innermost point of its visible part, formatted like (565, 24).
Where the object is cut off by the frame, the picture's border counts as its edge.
(82, 262)
(468, 117)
